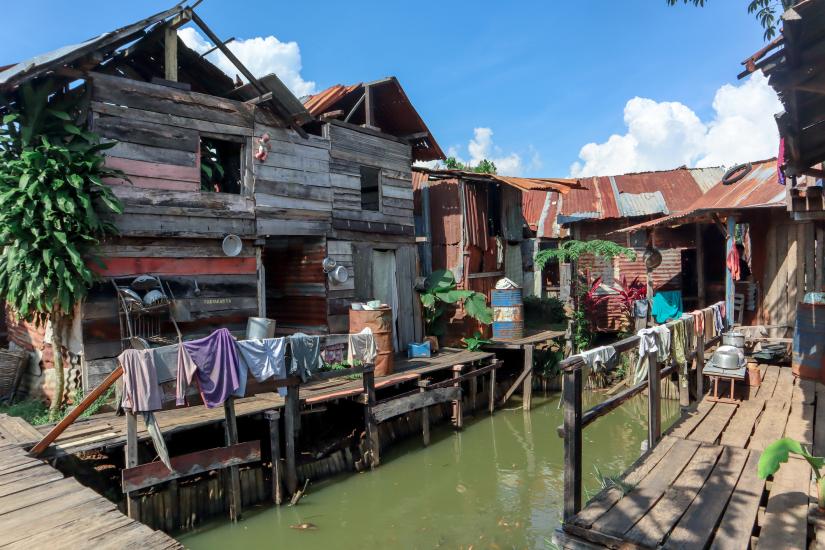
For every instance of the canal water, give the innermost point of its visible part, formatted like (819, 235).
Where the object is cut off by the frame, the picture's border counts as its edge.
(496, 484)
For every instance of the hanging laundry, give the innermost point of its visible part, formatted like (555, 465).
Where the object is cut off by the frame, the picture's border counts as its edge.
(166, 362)
(264, 359)
(361, 347)
(678, 338)
(667, 305)
(733, 263)
(306, 355)
(718, 318)
(598, 359)
(142, 394)
(698, 322)
(689, 322)
(141, 391)
(663, 342)
(709, 323)
(214, 360)
(648, 343)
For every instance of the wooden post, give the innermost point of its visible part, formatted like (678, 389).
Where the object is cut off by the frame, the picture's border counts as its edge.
(131, 456)
(273, 417)
(700, 267)
(458, 408)
(370, 424)
(170, 50)
(473, 392)
(369, 118)
(527, 388)
(425, 414)
(233, 488)
(491, 397)
(572, 395)
(291, 409)
(654, 400)
(700, 365)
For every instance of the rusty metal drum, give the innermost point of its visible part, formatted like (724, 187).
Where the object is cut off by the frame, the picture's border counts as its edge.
(508, 313)
(379, 321)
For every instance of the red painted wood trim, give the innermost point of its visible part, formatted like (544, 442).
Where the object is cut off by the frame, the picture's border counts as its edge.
(152, 473)
(118, 267)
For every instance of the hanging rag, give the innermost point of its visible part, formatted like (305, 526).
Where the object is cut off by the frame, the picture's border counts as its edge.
(166, 362)
(698, 322)
(710, 324)
(733, 262)
(142, 393)
(689, 322)
(648, 343)
(361, 348)
(667, 305)
(214, 360)
(662, 342)
(718, 318)
(678, 338)
(598, 359)
(264, 359)
(306, 355)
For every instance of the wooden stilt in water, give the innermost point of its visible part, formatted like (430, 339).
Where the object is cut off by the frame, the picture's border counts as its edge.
(233, 488)
(491, 397)
(425, 414)
(572, 395)
(290, 411)
(527, 388)
(458, 406)
(373, 442)
(473, 392)
(274, 417)
(131, 452)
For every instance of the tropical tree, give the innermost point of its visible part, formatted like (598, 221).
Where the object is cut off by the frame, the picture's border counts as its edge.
(765, 12)
(51, 191)
(484, 166)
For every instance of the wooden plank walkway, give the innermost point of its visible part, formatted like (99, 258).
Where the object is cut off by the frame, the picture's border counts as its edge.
(39, 508)
(699, 487)
(108, 431)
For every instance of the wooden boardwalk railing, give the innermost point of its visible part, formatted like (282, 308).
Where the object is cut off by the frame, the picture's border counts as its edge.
(575, 420)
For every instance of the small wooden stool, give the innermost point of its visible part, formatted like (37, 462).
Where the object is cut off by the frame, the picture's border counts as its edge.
(715, 395)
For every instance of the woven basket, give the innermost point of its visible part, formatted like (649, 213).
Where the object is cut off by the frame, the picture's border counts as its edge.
(12, 365)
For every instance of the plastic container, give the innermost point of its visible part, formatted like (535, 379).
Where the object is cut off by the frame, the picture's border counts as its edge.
(419, 350)
(508, 314)
(380, 322)
(809, 342)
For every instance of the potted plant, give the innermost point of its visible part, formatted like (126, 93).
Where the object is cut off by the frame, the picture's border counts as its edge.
(778, 452)
(440, 291)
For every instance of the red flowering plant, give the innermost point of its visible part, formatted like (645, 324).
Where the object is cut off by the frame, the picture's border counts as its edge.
(629, 294)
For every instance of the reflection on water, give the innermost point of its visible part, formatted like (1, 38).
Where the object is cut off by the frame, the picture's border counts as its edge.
(496, 484)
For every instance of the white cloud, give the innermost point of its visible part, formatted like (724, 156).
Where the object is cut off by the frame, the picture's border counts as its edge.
(261, 55)
(662, 135)
(481, 146)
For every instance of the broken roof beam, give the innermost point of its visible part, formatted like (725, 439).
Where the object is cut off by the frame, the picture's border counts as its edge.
(281, 111)
(355, 107)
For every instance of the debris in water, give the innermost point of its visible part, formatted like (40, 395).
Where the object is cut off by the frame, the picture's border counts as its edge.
(304, 527)
(461, 488)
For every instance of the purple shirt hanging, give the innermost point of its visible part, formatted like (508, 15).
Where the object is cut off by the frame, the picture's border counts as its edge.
(214, 360)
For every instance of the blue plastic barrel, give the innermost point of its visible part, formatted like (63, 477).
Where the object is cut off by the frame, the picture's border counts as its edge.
(809, 342)
(508, 314)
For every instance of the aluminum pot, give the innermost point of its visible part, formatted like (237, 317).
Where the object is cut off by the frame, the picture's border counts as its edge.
(726, 360)
(735, 339)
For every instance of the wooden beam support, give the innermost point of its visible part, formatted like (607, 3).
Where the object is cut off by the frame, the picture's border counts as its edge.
(700, 365)
(491, 397)
(355, 107)
(370, 423)
(369, 114)
(729, 286)
(527, 388)
(290, 412)
(572, 396)
(458, 404)
(700, 266)
(131, 461)
(273, 417)
(170, 53)
(233, 489)
(425, 415)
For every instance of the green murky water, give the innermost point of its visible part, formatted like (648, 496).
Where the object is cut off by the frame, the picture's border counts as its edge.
(496, 484)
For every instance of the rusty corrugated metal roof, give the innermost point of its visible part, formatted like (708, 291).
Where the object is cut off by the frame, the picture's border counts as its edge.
(758, 189)
(540, 210)
(638, 194)
(394, 113)
(562, 185)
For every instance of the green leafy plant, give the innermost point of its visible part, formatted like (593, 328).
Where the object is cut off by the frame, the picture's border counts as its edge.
(211, 168)
(484, 166)
(475, 342)
(549, 310)
(778, 452)
(440, 291)
(573, 250)
(51, 190)
(765, 12)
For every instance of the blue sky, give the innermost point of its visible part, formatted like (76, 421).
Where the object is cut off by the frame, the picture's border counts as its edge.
(545, 77)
